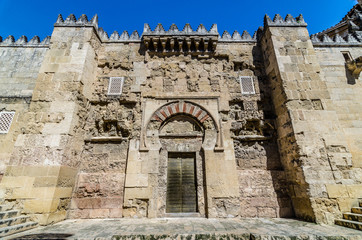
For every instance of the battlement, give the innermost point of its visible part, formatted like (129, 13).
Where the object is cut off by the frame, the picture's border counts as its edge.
(23, 42)
(72, 21)
(289, 21)
(115, 37)
(236, 37)
(354, 39)
(207, 36)
(173, 30)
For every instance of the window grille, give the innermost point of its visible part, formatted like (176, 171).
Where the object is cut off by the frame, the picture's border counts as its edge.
(5, 121)
(115, 85)
(247, 85)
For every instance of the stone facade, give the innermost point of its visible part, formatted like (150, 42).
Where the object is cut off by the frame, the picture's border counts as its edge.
(272, 122)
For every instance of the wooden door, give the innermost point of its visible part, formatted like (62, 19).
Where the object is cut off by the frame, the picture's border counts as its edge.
(181, 184)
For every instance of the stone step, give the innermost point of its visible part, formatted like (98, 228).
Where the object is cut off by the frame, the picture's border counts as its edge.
(357, 210)
(5, 207)
(353, 217)
(13, 221)
(6, 231)
(349, 224)
(9, 214)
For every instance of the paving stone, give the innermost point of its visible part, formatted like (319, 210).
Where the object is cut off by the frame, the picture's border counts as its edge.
(190, 228)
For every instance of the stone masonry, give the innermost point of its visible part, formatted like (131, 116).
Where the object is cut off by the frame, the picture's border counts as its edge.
(271, 123)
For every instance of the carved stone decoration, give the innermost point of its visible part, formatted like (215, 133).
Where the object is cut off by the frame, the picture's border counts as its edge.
(196, 112)
(355, 66)
(211, 129)
(175, 41)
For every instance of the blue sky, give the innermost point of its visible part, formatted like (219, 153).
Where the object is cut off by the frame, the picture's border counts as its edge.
(36, 17)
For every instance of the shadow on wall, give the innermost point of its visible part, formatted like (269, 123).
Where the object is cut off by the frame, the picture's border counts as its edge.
(58, 236)
(279, 181)
(350, 78)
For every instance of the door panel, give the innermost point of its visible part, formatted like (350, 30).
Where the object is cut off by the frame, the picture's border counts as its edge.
(174, 185)
(188, 185)
(181, 184)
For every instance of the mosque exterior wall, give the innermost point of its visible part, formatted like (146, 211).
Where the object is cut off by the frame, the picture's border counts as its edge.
(181, 123)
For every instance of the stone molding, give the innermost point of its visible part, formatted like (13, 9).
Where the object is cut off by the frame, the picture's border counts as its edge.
(289, 21)
(23, 42)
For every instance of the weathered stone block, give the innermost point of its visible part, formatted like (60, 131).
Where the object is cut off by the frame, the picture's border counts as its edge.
(337, 191)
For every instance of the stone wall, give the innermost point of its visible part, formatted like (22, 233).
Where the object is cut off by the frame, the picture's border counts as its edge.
(18, 73)
(52, 134)
(312, 147)
(19, 69)
(292, 147)
(345, 99)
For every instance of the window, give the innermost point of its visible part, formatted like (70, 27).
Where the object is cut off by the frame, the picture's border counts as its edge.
(347, 56)
(5, 121)
(247, 85)
(115, 85)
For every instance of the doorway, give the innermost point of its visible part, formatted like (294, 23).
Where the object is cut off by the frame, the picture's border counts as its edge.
(181, 194)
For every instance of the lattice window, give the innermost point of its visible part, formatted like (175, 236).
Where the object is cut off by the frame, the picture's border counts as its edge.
(5, 121)
(247, 85)
(115, 85)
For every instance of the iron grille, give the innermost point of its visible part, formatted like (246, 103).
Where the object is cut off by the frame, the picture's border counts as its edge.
(115, 85)
(5, 121)
(247, 85)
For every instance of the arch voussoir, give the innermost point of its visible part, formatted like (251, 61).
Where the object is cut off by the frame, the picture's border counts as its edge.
(175, 108)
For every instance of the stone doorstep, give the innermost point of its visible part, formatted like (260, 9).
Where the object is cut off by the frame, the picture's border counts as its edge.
(353, 217)
(349, 224)
(219, 236)
(17, 228)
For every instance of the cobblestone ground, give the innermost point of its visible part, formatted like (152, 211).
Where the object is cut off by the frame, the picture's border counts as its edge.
(190, 229)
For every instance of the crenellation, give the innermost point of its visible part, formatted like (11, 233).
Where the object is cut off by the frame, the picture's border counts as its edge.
(23, 42)
(201, 29)
(71, 20)
(236, 37)
(289, 21)
(103, 34)
(337, 41)
(9, 40)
